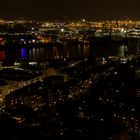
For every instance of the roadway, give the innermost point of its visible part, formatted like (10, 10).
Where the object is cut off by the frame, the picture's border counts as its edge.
(83, 87)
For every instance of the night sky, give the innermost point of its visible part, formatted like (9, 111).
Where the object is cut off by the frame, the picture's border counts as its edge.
(70, 9)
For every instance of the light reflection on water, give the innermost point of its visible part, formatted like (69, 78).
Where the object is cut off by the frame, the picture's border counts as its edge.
(69, 52)
(23, 53)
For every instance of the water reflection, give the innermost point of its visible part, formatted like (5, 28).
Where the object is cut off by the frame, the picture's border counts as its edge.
(55, 52)
(86, 51)
(69, 52)
(2, 55)
(23, 53)
(121, 51)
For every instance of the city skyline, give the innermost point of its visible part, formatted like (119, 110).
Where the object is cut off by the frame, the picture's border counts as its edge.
(93, 10)
(67, 79)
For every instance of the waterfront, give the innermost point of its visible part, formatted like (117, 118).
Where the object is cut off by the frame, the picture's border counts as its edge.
(74, 85)
(69, 52)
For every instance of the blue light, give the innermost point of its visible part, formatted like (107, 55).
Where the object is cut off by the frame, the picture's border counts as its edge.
(23, 53)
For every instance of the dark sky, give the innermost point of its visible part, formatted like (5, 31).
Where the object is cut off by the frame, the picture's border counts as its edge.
(70, 9)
